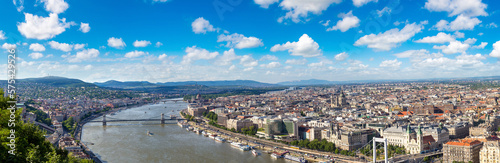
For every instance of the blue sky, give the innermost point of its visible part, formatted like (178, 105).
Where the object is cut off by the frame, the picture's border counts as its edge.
(263, 40)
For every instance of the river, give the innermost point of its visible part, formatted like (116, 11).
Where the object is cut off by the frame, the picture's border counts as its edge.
(124, 142)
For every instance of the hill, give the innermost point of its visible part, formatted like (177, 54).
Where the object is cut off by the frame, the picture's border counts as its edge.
(58, 81)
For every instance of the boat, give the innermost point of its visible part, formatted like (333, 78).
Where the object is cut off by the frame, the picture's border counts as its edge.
(276, 156)
(297, 159)
(220, 139)
(149, 133)
(244, 148)
(182, 124)
(255, 153)
(212, 136)
(235, 145)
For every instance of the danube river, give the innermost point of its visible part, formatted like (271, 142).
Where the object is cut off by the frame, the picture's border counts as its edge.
(123, 142)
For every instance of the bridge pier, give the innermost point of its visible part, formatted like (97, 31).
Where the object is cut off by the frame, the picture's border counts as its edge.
(162, 118)
(104, 120)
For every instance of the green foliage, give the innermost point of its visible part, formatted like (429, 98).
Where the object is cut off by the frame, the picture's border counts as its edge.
(249, 131)
(41, 116)
(322, 145)
(392, 150)
(210, 115)
(30, 142)
(302, 113)
(70, 125)
(233, 92)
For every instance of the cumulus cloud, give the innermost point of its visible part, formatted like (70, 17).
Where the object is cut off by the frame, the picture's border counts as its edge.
(494, 53)
(460, 23)
(2, 35)
(158, 44)
(60, 46)
(84, 27)
(116, 43)
(142, 43)
(469, 8)
(440, 38)
(239, 41)
(383, 11)
(201, 25)
(391, 63)
(194, 53)
(271, 65)
(84, 55)
(227, 57)
(79, 46)
(35, 55)
(268, 58)
(37, 47)
(341, 56)
(55, 6)
(19, 5)
(42, 28)
(302, 61)
(134, 54)
(359, 3)
(348, 21)
(8, 46)
(453, 47)
(391, 38)
(480, 46)
(305, 47)
(265, 3)
(356, 65)
(299, 9)
(248, 61)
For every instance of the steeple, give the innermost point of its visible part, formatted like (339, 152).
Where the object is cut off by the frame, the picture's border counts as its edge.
(408, 129)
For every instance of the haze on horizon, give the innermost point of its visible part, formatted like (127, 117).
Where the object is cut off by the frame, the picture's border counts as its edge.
(194, 40)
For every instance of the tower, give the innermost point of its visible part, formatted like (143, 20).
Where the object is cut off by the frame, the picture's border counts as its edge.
(420, 138)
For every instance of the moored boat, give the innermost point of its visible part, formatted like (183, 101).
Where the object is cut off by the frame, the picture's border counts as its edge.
(255, 153)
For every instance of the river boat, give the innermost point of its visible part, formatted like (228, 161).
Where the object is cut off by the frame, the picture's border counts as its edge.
(220, 139)
(255, 153)
(276, 156)
(149, 133)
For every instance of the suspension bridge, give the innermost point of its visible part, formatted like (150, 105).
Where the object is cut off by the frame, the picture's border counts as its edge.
(161, 119)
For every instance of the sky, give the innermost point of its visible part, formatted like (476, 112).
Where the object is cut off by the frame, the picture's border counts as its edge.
(264, 40)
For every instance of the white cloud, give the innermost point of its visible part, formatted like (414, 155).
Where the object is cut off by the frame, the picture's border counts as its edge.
(248, 61)
(142, 43)
(494, 53)
(158, 44)
(134, 54)
(305, 47)
(453, 47)
(194, 53)
(37, 47)
(271, 65)
(60, 46)
(265, 3)
(8, 46)
(232, 67)
(116, 43)
(356, 65)
(460, 23)
(163, 56)
(201, 25)
(84, 27)
(440, 38)
(88, 67)
(239, 41)
(299, 9)
(227, 57)
(492, 25)
(84, 55)
(79, 46)
(2, 35)
(469, 8)
(391, 63)
(159, 1)
(248, 69)
(35, 55)
(302, 61)
(383, 11)
(19, 5)
(268, 58)
(391, 38)
(42, 28)
(480, 46)
(459, 34)
(348, 21)
(341, 56)
(359, 3)
(55, 6)
(325, 23)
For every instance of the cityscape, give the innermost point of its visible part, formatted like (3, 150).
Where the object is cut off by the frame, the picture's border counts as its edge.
(273, 81)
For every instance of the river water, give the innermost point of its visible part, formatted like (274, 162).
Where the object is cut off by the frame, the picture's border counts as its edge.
(124, 142)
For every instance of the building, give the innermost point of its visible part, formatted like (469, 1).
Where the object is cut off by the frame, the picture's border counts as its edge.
(482, 130)
(239, 124)
(462, 150)
(338, 100)
(348, 138)
(490, 152)
(415, 140)
(458, 130)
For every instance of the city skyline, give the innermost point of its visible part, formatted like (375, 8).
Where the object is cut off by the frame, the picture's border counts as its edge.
(281, 40)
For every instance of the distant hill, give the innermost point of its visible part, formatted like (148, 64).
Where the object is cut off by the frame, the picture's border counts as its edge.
(308, 82)
(58, 81)
(248, 83)
(127, 84)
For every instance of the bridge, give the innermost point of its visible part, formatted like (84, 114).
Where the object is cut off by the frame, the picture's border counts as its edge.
(161, 120)
(172, 100)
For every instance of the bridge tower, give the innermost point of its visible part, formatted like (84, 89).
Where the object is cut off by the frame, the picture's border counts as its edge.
(104, 120)
(162, 118)
(381, 140)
